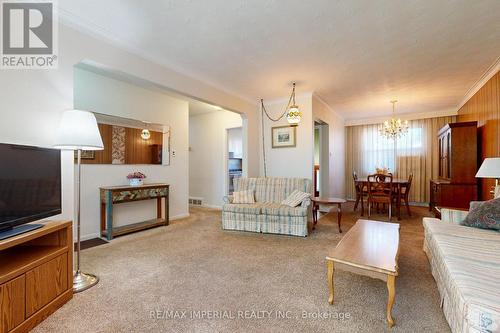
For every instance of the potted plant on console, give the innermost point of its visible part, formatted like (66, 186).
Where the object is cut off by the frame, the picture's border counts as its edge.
(136, 178)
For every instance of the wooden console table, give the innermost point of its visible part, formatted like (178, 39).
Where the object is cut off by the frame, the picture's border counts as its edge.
(36, 275)
(111, 195)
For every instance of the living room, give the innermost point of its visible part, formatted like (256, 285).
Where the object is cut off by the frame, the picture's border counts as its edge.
(118, 112)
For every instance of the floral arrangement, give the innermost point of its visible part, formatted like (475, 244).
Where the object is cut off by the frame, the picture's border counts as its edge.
(136, 175)
(384, 171)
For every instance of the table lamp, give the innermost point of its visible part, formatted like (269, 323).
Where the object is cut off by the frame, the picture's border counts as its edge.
(78, 131)
(490, 168)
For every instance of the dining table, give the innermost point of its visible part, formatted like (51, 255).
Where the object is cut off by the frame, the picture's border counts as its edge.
(397, 185)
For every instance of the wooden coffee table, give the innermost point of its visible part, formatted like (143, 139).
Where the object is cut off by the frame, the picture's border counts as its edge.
(369, 248)
(327, 202)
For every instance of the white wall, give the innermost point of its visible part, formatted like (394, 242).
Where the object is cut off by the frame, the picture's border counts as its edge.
(208, 155)
(106, 95)
(334, 184)
(32, 101)
(295, 161)
(299, 161)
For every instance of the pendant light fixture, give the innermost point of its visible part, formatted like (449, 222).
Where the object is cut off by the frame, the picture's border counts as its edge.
(292, 111)
(394, 128)
(293, 116)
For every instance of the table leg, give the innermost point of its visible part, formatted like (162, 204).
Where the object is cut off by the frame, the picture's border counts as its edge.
(315, 215)
(329, 265)
(398, 203)
(109, 216)
(391, 288)
(339, 215)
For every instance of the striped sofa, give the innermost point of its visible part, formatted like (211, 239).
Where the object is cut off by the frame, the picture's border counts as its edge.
(268, 215)
(465, 263)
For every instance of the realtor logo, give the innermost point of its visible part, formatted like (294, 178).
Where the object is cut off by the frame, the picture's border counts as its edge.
(29, 39)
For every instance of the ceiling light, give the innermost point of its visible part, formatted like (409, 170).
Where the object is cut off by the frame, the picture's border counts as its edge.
(145, 134)
(394, 128)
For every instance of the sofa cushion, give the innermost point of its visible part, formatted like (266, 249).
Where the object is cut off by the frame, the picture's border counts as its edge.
(272, 189)
(244, 197)
(466, 264)
(254, 208)
(485, 216)
(295, 198)
(283, 210)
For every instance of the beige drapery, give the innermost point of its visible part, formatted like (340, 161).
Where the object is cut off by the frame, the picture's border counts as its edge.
(416, 152)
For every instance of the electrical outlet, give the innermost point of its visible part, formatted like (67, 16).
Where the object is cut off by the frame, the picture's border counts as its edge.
(173, 153)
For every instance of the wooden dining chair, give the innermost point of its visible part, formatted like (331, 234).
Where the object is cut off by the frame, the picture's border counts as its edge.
(361, 192)
(380, 191)
(405, 193)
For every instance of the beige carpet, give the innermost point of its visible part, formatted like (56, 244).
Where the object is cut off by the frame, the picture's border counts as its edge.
(250, 279)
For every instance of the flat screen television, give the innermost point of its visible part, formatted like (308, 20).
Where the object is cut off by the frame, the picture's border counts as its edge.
(30, 184)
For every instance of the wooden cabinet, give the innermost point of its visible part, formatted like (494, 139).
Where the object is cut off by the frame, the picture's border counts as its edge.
(36, 275)
(12, 295)
(456, 185)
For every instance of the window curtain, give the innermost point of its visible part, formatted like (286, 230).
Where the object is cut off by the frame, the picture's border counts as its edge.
(416, 152)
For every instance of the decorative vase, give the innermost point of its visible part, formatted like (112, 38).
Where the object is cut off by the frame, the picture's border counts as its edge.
(135, 181)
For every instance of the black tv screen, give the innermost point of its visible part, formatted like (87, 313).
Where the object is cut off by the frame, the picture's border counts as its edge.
(30, 184)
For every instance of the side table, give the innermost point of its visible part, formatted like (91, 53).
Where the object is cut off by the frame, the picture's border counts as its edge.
(328, 202)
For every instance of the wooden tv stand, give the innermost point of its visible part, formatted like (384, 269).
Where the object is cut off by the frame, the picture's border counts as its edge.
(36, 275)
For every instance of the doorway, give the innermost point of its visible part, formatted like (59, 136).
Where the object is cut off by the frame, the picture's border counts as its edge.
(321, 159)
(234, 155)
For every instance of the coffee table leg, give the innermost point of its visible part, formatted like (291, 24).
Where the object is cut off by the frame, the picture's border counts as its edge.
(339, 215)
(391, 288)
(329, 265)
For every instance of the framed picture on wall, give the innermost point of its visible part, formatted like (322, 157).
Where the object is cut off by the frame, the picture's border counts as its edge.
(86, 154)
(284, 136)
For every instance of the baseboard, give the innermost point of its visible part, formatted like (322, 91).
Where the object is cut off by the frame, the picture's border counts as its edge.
(98, 235)
(178, 217)
(212, 207)
(89, 236)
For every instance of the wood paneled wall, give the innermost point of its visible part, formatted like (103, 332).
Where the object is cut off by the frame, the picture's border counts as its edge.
(484, 107)
(137, 150)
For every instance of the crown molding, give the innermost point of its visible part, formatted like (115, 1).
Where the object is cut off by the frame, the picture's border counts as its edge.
(322, 101)
(403, 116)
(488, 74)
(95, 31)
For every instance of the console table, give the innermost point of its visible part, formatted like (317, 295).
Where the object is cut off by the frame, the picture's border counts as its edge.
(111, 195)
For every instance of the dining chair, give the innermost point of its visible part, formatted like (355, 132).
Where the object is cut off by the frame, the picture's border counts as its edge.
(380, 191)
(361, 192)
(405, 193)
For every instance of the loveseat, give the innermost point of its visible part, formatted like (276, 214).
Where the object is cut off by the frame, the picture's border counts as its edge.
(465, 263)
(267, 214)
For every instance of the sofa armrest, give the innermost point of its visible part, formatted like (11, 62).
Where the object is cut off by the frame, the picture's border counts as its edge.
(305, 203)
(454, 216)
(228, 199)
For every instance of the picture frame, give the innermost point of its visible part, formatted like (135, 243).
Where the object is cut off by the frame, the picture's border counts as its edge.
(284, 137)
(86, 154)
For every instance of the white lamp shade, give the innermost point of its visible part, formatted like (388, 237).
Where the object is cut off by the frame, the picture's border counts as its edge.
(78, 130)
(490, 168)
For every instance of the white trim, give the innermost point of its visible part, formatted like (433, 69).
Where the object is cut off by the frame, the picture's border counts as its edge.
(319, 98)
(87, 237)
(89, 28)
(407, 116)
(488, 74)
(178, 217)
(211, 207)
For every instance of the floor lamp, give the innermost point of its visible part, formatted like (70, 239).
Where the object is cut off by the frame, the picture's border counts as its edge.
(78, 131)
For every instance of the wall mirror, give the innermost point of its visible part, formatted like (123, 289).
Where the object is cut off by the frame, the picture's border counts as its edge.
(130, 141)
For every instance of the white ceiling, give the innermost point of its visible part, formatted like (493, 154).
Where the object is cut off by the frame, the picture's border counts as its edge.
(357, 55)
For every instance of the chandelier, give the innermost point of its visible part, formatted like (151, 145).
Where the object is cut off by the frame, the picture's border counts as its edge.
(292, 112)
(394, 128)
